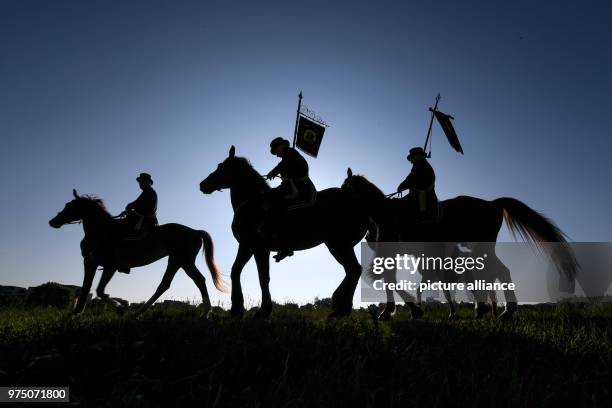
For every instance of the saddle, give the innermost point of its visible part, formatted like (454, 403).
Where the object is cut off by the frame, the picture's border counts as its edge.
(290, 195)
(301, 196)
(128, 233)
(430, 215)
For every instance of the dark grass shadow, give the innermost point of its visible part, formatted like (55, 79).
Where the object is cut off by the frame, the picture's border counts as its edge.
(300, 359)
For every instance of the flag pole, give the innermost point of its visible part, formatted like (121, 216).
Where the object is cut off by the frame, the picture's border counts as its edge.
(297, 118)
(431, 124)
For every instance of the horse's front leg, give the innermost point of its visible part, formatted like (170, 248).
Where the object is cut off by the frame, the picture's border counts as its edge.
(390, 309)
(242, 257)
(107, 275)
(262, 258)
(451, 304)
(89, 273)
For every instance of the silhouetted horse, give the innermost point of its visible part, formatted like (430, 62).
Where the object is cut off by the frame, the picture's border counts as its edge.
(333, 219)
(465, 219)
(179, 243)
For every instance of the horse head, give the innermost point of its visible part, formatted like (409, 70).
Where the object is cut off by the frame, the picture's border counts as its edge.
(361, 187)
(229, 172)
(77, 209)
(70, 213)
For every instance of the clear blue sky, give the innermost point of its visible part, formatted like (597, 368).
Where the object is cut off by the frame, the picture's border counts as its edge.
(94, 92)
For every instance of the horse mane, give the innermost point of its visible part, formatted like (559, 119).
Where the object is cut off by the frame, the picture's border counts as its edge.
(96, 201)
(368, 188)
(249, 171)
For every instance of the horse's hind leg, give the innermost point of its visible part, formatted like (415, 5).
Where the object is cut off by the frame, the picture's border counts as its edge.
(164, 285)
(196, 276)
(493, 299)
(107, 275)
(342, 299)
(503, 274)
(451, 304)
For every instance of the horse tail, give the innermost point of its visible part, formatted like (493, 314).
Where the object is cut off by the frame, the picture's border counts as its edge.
(539, 231)
(208, 253)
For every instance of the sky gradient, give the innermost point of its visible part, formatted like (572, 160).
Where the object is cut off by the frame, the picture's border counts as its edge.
(93, 93)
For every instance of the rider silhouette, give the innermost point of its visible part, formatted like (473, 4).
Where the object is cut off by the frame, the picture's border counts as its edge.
(293, 170)
(141, 214)
(421, 203)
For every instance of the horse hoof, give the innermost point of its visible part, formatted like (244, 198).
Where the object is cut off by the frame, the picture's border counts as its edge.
(237, 313)
(417, 313)
(385, 316)
(338, 313)
(481, 311)
(138, 313)
(505, 316)
(263, 313)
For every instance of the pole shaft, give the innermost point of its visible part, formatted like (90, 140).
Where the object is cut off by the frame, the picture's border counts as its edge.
(431, 123)
(297, 118)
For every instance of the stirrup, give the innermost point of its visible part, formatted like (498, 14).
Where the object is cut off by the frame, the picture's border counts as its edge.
(282, 255)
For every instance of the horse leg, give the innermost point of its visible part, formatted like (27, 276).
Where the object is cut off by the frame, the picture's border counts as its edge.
(503, 274)
(200, 281)
(451, 304)
(419, 293)
(262, 259)
(107, 275)
(89, 273)
(344, 293)
(488, 275)
(242, 257)
(390, 309)
(494, 308)
(164, 285)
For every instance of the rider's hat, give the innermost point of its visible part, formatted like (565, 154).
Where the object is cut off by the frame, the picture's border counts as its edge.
(144, 177)
(416, 151)
(278, 142)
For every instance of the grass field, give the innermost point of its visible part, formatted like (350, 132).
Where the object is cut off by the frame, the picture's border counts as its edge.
(548, 356)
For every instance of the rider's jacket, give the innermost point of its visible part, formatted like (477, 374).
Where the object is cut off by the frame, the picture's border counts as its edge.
(292, 166)
(296, 185)
(144, 208)
(421, 182)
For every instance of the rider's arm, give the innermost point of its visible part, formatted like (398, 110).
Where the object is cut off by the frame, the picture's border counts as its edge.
(275, 171)
(406, 184)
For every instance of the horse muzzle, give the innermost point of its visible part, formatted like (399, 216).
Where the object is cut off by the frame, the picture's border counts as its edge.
(205, 188)
(55, 223)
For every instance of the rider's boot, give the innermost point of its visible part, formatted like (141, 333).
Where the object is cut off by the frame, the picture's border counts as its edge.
(282, 254)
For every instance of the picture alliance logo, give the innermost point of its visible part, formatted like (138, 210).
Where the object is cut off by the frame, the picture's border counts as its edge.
(412, 264)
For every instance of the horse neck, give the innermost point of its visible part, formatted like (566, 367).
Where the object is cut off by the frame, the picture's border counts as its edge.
(375, 202)
(96, 222)
(244, 193)
(249, 187)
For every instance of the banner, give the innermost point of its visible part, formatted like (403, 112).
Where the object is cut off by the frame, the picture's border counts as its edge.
(309, 136)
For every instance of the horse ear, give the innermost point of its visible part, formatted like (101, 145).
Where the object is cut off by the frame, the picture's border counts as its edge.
(349, 172)
(232, 152)
(74, 193)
